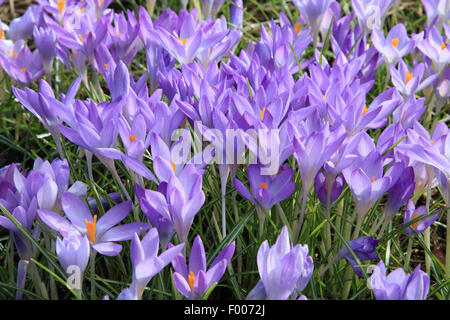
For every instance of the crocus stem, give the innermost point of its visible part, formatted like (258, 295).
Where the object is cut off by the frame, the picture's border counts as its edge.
(51, 246)
(223, 184)
(427, 232)
(347, 282)
(38, 286)
(388, 247)
(348, 226)
(327, 231)
(447, 253)
(302, 216)
(284, 220)
(56, 138)
(376, 226)
(358, 226)
(388, 76)
(238, 240)
(92, 269)
(89, 165)
(408, 253)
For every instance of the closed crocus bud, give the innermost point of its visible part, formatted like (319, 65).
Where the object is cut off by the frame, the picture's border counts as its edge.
(73, 250)
(364, 249)
(237, 13)
(321, 187)
(284, 269)
(45, 40)
(413, 213)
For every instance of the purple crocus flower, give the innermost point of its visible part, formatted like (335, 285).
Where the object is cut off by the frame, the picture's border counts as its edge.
(154, 206)
(101, 234)
(45, 40)
(284, 269)
(409, 80)
(321, 186)
(145, 260)
(400, 192)
(371, 13)
(412, 213)
(210, 7)
(23, 26)
(364, 249)
(73, 250)
(398, 285)
(312, 11)
(435, 47)
(367, 181)
(24, 66)
(437, 8)
(266, 191)
(193, 281)
(395, 45)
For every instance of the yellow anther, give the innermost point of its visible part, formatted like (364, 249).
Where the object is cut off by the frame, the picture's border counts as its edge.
(409, 76)
(191, 279)
(90, 226)
(395, 42)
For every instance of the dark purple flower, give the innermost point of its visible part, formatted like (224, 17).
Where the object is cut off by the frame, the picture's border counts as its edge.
(413, 213)
(364, 249)
(193, 281)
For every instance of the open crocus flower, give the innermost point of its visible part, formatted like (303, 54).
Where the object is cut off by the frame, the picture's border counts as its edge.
(193, 282)
(413, 213)
(395, 45)
(398, 285)
(101, 233)
(409, 80)
(145, 259)
(23, 66)
(266, 190)
(367, 181)
(435, 47)
(285, 270)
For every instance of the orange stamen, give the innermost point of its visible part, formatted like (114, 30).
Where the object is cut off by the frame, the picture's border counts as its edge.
(263, 185)
(408, 78)
(23, 69)
(431, 142)
(61, 5)
(90, 226)
(106, 67)
(373, 180)
(2, 34)
(262, 112)
(395, 42)
(191, 279)
(132, 138)
(297, 27)
(415, 216)
(443, 46)
(173, 165)
(81, 38)
(364, 110)
(183, 41)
